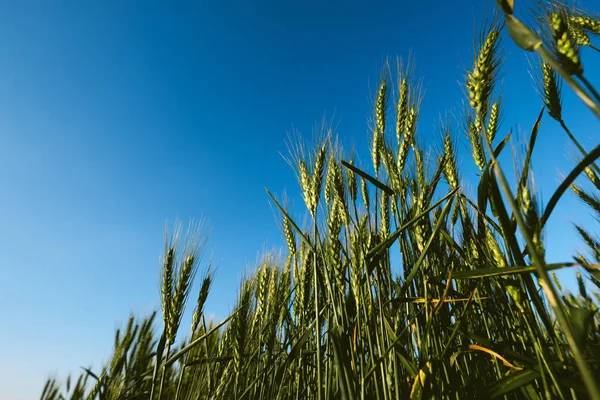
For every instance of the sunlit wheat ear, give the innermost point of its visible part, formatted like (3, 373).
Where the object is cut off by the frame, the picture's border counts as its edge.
(194, 244)
(497, 254)
(408, 139)
(551, 91)
(329, 179)
(364, 191)
(384, 229)
(481, 80)
(389, 164)
(334, 223)
(493, 121)
(352, 185)
(305, 184)
(262, 281)
(186, 274)
(167, 283)
(565, 44)
(167, 286)
(556, 281)
(401, 109)
(586, 22)
(379, 129)
(476, 146)
(420, 167)
(450, 169)
(380, 108)
(202, 296)
(580, 36)
(289, 236)
(317, 179)
(592, 177)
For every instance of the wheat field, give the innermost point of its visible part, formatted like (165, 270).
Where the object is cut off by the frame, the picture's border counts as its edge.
(398, 284)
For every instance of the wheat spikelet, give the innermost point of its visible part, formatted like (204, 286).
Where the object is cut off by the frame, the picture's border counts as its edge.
(364, 192)
(262, 281)
(552, 97)
(566, 47)
(338, 183)
(317, 179)
(380, 109)
(352, 186)
(591, 175)
(580, 36)
(384, 228)
(477, 147)
(334, 224)
(378, 131)
(305, 184)
(587, 23)
(556, 281)
(480, 81)
(450, 169)
(186, 274)
(497, 254)
(329, 179)
(493, 122)
(289, 236)
(401, 109)
(390, 166)
(409, 133)
(167, 286)
(202, 296)
(420, 167)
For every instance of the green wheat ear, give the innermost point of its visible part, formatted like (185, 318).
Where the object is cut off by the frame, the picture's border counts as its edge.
(379, 130)
(167, 281)
(586, 23)
(551, 91)
(493, 122)
(566, 46)
(480, 81)
(202, 297)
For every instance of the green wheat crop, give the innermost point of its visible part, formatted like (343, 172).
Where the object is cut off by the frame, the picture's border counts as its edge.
(400, 285)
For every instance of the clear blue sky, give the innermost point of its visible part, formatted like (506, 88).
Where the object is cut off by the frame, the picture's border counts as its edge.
(117, 116)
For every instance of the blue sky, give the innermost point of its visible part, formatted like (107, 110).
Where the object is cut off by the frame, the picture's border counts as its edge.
(118, 116)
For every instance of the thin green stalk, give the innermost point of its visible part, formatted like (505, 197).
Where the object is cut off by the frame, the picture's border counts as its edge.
(317, 313)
